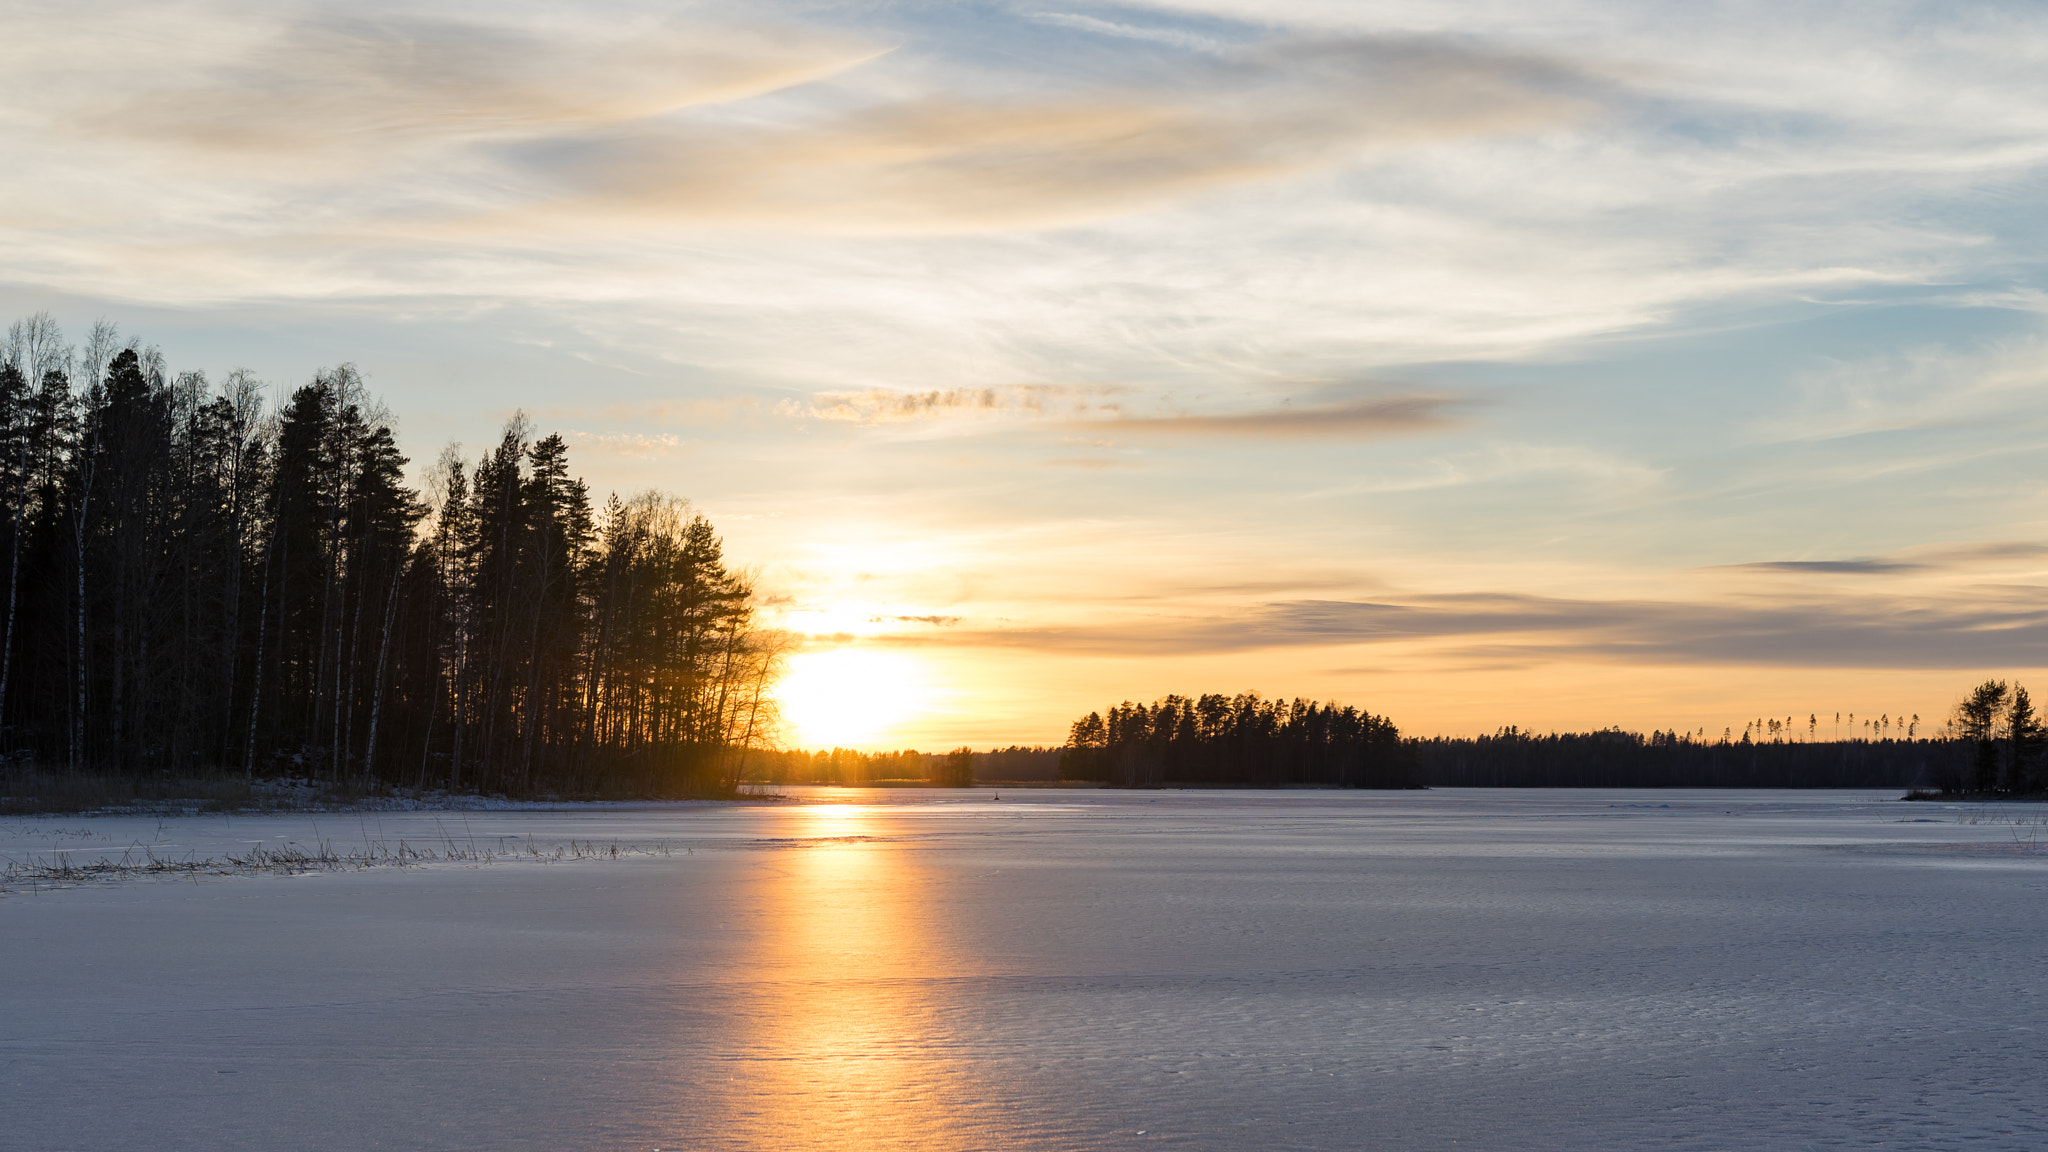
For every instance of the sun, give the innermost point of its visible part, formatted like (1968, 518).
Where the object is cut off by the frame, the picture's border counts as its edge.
(849, 697)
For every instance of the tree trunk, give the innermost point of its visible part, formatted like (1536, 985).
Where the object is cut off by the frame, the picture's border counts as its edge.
(383, 653)
(13, 575)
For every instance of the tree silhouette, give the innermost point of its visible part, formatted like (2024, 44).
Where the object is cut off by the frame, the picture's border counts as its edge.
(1978, 719)
(195, 583)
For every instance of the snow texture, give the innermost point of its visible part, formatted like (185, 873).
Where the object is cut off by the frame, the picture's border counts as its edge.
(1051, 970)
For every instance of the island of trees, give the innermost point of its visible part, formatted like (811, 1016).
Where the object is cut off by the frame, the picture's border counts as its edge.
(198, 581)
(1237, 741)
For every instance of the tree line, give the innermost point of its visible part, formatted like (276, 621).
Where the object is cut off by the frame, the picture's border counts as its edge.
(1994, 742)
(845, 766)
(1237, 741)
(961, 767)
(1614, 758)
(198, 579)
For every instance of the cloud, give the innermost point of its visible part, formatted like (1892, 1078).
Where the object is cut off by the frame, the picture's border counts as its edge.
(1172, 36)
(506, 124)
(1827, 567)
(1923, 387)
(1945, 557)
(1380, 416)
(1995, 551)
(950, 162)
(1998, 629)
(1510, 462)
(628, 443)
(883, 405)
(357, 87)
(1091, 409)
(878, 405)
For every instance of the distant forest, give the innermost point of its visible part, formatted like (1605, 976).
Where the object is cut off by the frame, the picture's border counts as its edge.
(958, 768)
(1612, 758)
(1992, 744)
(196, 580)
(1995, 743)
(1237, 741)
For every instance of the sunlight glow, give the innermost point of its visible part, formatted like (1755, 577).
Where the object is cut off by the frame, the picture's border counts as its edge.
(849, 697)
(838, 1034)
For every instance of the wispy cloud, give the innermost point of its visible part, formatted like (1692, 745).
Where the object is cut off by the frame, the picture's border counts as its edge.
(1511, 462)
(1989, 552)
(1106, 411)
(954, 163)
(627, 443)
(1921, 387)
(360, 88)
(586, 125)
(1827, 567)
(1378, 416)
(1173, 36)
(882, 405)
(877, 405)
(1982, 631)
(1974, 559)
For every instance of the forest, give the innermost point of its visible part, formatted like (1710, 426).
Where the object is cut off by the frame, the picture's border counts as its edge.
(851, 768)
(1990, 745)
(1613, 758)
(200, 580)
(1993, 744)
(1242, 741)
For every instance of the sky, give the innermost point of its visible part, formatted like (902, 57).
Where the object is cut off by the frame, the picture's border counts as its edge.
(1554, 363)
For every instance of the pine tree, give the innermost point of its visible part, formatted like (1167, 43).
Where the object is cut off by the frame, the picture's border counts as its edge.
(2024, 736)
(195, 582)
(1978, 719)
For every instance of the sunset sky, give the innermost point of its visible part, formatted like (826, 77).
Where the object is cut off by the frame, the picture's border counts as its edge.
(1550, 363)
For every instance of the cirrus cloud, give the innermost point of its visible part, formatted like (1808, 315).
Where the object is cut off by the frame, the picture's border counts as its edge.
(1989, 629)
(355, 87)
(949, 163)
(1374, 416)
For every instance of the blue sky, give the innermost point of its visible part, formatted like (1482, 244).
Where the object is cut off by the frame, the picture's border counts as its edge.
(1553, 364)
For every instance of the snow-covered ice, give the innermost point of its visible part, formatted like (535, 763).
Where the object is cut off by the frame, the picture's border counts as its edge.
(1052, 970)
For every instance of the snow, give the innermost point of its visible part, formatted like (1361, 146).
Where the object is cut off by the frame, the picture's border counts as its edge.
(1055, 969)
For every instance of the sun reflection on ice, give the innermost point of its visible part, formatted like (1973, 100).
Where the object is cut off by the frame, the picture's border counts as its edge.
(846, 1049)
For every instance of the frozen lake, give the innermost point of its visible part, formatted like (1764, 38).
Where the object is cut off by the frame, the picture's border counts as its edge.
(1054, 970)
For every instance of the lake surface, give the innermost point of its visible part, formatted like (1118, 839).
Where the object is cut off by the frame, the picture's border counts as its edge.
(1051, 970)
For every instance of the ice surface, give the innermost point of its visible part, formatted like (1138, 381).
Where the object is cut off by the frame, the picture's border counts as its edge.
(1070, 970)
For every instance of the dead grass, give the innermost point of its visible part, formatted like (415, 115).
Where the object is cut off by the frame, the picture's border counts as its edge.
(34, 791)
(56, 869)
(1977, 797)
(31, 791)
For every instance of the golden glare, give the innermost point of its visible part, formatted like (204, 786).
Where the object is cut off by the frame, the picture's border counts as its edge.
(847, 1040)
(849, 697)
